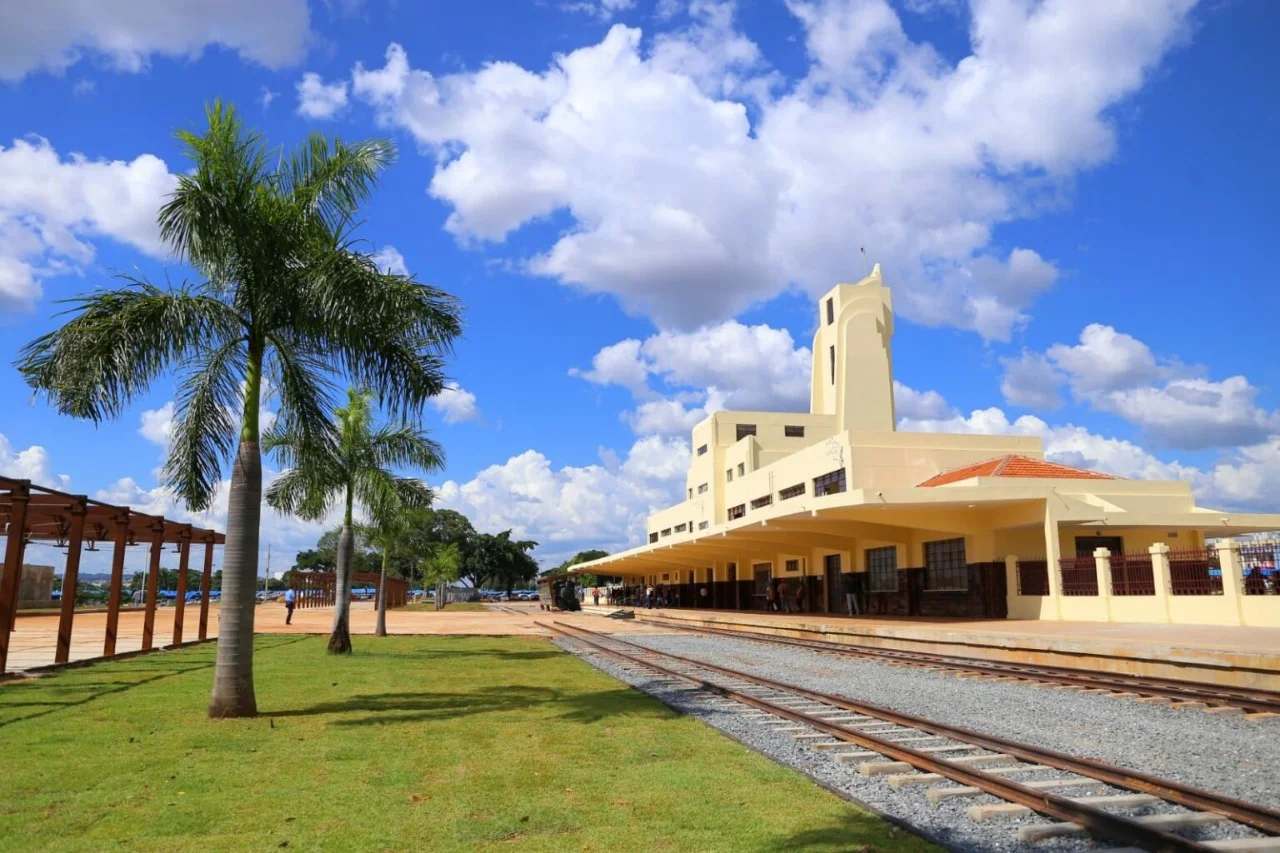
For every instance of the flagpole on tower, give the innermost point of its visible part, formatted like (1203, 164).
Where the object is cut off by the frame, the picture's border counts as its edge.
(865, 263)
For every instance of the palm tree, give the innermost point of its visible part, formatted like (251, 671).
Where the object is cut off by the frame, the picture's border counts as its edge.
(441, 565)
(286, 299)
(355, 468)
(387, 531)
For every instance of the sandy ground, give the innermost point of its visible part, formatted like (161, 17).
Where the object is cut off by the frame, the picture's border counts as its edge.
(35, 637)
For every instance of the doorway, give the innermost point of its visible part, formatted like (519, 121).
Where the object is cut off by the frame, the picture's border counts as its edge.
(732, 571)
(834, 583)
(762, 574)
(1086, 544)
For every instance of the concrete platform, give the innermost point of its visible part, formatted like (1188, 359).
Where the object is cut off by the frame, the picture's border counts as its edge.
(1241, 657)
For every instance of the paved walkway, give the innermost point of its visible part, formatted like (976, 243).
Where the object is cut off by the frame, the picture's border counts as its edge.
(35, 638)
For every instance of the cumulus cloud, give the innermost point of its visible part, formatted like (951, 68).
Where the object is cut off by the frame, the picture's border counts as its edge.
(57, 34)
(320, 100)
(697, 182)
(1114, 372)
(572, 508)
(32, 463)
(157, 424)
(52, 206)
(456, 404)
(602, 9)
(389, 260)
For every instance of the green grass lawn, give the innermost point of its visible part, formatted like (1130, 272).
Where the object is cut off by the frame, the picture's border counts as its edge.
(411, 743)
(430, 607)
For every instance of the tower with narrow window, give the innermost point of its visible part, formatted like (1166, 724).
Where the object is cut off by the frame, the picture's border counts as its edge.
(852, 362)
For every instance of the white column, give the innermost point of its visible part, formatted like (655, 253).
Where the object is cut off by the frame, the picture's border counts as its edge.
(1011, 581)
(1102, 559)
(1160, 575)
(1053, 561)
(1232, 578)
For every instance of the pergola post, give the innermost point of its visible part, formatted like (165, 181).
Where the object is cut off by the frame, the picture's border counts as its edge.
(206, 581)
(70, 580)
(153, 586)
(15, 542)
(180, 606)
(117, 582)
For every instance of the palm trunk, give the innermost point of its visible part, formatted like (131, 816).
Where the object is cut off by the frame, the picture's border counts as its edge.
(233, 674)
(340, 635)
(381, 629)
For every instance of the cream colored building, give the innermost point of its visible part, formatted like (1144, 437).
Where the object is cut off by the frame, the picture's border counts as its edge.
(838, 508)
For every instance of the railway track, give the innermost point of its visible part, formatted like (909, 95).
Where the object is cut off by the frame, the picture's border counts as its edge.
(1210, 697)
(953, 763)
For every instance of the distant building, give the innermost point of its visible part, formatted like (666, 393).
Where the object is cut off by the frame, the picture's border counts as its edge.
(852, 513)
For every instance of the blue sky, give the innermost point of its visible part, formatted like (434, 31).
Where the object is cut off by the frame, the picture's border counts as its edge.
(1074, 202)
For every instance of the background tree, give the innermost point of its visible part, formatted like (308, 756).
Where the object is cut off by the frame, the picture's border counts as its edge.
(387, 531)
(499, 561)
(441, 566)
(355, 468)
(285, 298)
(582, 557)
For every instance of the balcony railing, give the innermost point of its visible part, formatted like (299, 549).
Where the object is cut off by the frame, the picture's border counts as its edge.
(1079, 575)
(1131, 574)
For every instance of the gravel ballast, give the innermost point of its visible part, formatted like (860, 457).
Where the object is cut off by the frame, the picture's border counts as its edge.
(1222, 753)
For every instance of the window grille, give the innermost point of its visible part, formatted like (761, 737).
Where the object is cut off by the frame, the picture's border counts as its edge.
(736, 512)
(791, 492)
(945, 567)
(829, 484)
(764, 501)
(882, 569)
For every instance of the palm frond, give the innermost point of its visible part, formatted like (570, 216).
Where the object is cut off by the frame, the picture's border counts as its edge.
(335, 181)
(118, 342)
(304, 492)
(404, 445)
(204, 432)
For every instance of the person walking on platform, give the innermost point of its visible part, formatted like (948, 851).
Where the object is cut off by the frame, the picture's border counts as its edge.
(649, 594)
(799, 605)
(595, 596)
(784, 597)
(289, 602)
(770, 603)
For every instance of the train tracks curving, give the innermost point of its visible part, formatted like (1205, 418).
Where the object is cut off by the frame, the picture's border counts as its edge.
(953, 762)
(1211, 697)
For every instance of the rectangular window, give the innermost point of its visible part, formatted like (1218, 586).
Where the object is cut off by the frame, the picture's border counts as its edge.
(702, 525)
(702, 489)
(791, 492)
(793, 431)
(764, 501)
(702, 450)
(760, 573)
(681, 528)
(728, 475)
(833, 365)
(882, 569)
(742, 468)
(831, 311)
(793, 565)
(745, 430)
(944, 565)
(736, 512)
(666, 576)
(691, 494)
(653, 537)
(666, 532)
(829, 484)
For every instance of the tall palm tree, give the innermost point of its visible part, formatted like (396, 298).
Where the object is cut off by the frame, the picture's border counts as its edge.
(441, 564)
(286, 299)
(355, 468)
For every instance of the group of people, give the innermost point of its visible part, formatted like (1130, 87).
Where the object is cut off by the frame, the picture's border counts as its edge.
(661, 596)
(785, 598)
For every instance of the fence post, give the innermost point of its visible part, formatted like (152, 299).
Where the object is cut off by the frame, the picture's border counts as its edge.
(1161, 577)
(1232, 577)
(1102, 563)
(1011, 579)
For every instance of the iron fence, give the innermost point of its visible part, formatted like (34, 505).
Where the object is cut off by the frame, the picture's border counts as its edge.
(1033, 577)
(1195, 572)
(1131, 574)
(1079, 575)
(1258, 562)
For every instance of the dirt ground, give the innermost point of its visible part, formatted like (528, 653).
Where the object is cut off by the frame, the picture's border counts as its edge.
(35, 637)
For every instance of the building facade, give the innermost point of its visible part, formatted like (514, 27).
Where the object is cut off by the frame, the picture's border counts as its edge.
(835, 511)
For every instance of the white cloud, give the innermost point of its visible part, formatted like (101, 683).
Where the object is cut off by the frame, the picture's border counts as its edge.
(910, 403)
(157, 424)
(1111, 371)
(572, 508)
(50, 206)
(320, 100)
(32, 464)
(456, 404)
(389, 260)
(56, 34)
(602, 9)
(266, 96)
(696, 184)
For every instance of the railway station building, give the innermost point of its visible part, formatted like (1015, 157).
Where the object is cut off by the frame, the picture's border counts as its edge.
(839, 509)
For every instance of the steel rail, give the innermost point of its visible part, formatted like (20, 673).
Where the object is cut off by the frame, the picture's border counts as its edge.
(1257, 701)
(1258, 817)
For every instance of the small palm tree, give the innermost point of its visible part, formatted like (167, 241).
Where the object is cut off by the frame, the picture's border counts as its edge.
(356, 468)
(286, 299)
(440, 565)
(387, 530)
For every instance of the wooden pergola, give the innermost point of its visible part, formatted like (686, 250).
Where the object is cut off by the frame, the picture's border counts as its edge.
(35, 513)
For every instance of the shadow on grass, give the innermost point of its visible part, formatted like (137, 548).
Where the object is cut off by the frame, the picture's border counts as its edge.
(376, 709)
(134, 671)
(444, 653)
(851, 833)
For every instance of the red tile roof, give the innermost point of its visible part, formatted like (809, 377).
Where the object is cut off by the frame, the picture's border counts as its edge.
(1013, 465)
